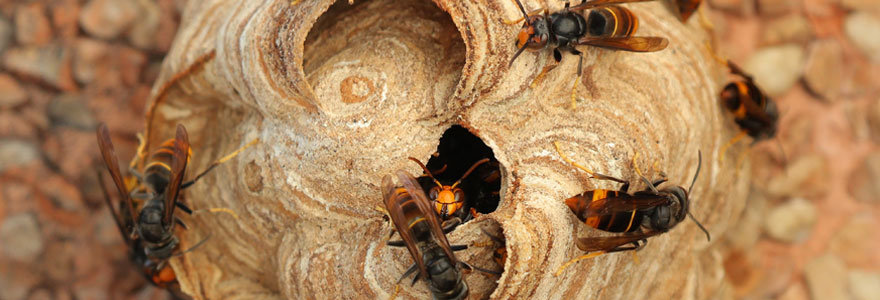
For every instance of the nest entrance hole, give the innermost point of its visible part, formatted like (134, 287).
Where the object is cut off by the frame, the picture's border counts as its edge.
(353, 49)
(458, 151)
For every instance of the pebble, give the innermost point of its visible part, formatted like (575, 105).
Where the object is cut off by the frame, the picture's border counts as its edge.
(825, 277)
(87, 57)
(789, 29)
(864, 285)
(796, 291)
(72, 150)
(5, 33)
(776, 68)
(18, 283)
(32, 27)
(862, 29)
(108, 19)
(776, 7)
(13, 125)
(65, 14)
(143, 32)
(735, 6)
(792, 221)
(70, 110)
(861, 5)
(21, 236)
(874, 122)
(854, 242)
(824, 72)
(863, 182)
(14, 152)
(799, 176)
(11, 93)
(50, 64)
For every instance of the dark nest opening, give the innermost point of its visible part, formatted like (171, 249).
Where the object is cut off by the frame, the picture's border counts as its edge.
(458, 151)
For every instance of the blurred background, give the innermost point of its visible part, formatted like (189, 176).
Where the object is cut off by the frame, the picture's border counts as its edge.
(810, 230)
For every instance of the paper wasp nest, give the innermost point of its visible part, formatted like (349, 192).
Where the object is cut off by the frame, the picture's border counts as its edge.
(340, 95)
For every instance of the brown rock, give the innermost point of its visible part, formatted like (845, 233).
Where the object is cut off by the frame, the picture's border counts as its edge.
(32, 27)
(776, 68)
(65, 14)
(21, 236)
(874, 122)
(855, 242)
(739, 7)
(863, 182)
(49, 64)
(89, 52)
(792, 28)
(131, 64)
(864, 285)
(796, 291)
(863, 80)
(17, 283)
(15, 152)
(802, 177)
(71, 149)
(792, 221)
(861, 5)
(776, 7)
(11, 93)
(5, 33)
(861, 28)
(824, 71)
(143, 32)
(825, 277)
(13, 125)
(108, 19)
(71, 110)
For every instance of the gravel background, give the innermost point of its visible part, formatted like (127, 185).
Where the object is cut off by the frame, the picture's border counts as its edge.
(811, 230)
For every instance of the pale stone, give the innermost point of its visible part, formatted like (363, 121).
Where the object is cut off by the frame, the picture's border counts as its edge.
(776, 68)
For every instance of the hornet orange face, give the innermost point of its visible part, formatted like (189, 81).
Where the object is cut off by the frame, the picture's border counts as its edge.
(448, 199)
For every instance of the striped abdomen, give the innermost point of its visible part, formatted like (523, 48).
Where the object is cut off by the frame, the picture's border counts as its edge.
(626, 221)
(413, 217)
(158, 170)
(611, 21)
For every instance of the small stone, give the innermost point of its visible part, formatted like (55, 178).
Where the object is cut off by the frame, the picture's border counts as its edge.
(796, 291)
(864, 285)
(65, 14)
(793, 28)
(863, 182)
(88, 55)
(801, 176)
(776, 68)
(861, 5)
(874, 125)
(15, 152)
(776, 7)
(21, 236)
(143, 31)
(13, 125)
(825, 277)
(824, 69)
(854, 242)
(40, 294)
(735, 6)
(107, 19)
(71, 150)
(791, 221)
(50, 64)
(11, 93)
(5, 34)
(70, 110)
(32, 27)
(861, 28)
(18, 283)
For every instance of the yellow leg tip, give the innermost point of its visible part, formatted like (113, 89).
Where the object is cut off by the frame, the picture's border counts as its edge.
(579, 258)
